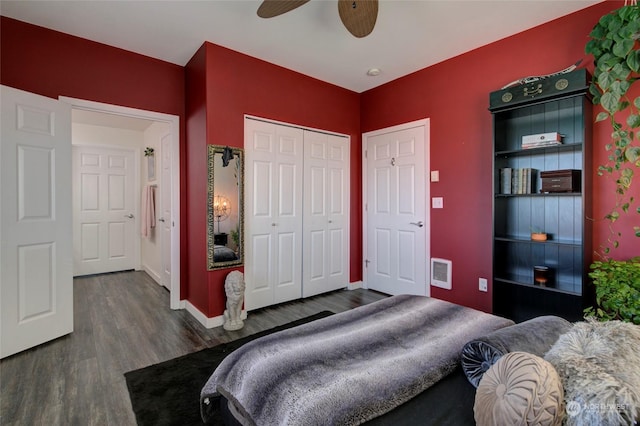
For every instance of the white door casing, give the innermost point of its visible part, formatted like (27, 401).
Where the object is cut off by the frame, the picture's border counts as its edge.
(326, 219)
(36, 283)
(164, 221)
(105, 210)
(396, 217)
(273, 213)
(174, 129)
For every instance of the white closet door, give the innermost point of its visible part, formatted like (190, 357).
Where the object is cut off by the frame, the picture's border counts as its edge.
(273, 214)
(326, 218)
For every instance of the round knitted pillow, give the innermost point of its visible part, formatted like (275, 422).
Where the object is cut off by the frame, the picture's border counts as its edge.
(519, 389)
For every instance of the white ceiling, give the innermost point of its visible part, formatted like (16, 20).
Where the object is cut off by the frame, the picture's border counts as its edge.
(409, 34)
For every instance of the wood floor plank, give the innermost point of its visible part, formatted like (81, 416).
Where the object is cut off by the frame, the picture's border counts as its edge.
(122, 321)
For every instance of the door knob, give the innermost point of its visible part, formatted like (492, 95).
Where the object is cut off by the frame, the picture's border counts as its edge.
(130, 216)
(419, 224)
(161, 219)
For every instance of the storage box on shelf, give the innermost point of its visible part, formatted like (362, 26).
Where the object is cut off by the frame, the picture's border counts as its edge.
(558, 110)
(560, 181)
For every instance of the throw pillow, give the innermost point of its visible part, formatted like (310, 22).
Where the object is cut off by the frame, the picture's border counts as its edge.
(519, 389)
(535, 336)
(599, 365)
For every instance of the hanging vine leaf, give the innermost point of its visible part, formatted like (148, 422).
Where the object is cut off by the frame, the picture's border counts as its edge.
(616, 51)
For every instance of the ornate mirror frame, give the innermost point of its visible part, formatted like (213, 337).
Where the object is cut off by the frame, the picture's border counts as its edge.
(225, 205)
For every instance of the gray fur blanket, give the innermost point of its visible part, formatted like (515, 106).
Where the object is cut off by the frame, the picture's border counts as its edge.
(347, 368)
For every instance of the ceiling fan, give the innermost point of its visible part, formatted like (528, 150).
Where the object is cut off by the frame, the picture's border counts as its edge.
(358, 16)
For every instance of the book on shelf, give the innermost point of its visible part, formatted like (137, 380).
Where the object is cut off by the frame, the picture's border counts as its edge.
(541, 140)
(517, 180)
(540, 144)
(505, 180)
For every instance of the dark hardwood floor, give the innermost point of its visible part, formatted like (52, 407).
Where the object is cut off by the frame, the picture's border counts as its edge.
(122, 322)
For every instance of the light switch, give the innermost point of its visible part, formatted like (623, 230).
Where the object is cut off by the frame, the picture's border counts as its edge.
(435, 176)
(437, 203)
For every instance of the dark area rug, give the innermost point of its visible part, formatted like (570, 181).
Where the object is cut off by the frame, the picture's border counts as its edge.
(169, 393)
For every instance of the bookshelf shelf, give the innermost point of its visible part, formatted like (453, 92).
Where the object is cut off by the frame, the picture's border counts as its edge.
(528, 282)
(541, 194)
(540, 150)
(523, 240)
(518, 208)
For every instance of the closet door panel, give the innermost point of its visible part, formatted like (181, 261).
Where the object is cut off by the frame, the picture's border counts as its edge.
(337, 256)
(273, 269)
(259, 215)
(288, 286)
(317, 208)
(338, 212)
(325, 220)
(260, 269)
(288, 227)
(262, 176)
(315, 271)
(259, 144)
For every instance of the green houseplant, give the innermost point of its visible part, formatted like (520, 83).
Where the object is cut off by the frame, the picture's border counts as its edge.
(235, 236)
(615, 46)
(617, 286)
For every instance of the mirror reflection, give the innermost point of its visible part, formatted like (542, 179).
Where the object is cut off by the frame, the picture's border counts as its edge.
(225, 207)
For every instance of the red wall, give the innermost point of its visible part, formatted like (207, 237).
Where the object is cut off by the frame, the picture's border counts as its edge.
(234, 85)
(50, 63)
(454, 94)
(196, 196)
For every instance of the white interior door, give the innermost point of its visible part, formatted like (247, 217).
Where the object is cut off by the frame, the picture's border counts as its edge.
(396, 216)
(35, 221)
(104, 210)
(273, 213)
(326, 213)
(164, 221)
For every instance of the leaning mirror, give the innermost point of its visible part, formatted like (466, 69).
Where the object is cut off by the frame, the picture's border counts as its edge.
(225, 211)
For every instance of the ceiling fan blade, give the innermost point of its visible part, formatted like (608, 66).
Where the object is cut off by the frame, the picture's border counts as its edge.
(358, 16)
(271, 8)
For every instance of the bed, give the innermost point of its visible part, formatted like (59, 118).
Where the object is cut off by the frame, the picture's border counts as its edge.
(223, 254)
(350, 368)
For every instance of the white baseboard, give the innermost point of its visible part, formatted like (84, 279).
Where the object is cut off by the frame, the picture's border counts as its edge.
(153, 274)
(206, 321)
(355, 285)
(202, 318)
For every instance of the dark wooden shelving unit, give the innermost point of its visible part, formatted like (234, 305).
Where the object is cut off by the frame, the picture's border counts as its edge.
(559, 104)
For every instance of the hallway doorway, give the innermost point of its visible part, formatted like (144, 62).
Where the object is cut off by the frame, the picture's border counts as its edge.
(106, 126)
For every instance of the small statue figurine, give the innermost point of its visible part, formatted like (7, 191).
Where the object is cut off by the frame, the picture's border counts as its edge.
(234, 288)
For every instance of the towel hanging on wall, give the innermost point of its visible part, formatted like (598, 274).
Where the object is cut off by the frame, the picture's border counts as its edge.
(148, 210)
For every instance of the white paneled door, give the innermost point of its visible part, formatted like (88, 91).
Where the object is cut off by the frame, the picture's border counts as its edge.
(396, 216)
(104, 210)
(165, 211)
(273, 213)
(326, 218)
(36, 280)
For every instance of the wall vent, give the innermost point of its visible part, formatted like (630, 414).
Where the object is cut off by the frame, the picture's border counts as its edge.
(441, 273)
